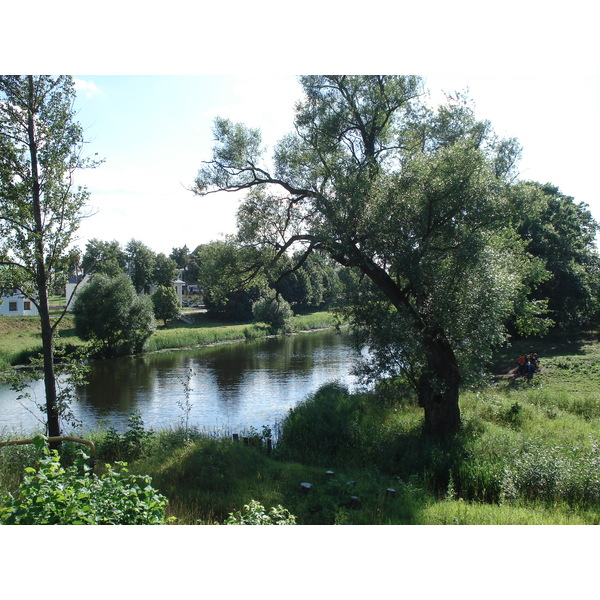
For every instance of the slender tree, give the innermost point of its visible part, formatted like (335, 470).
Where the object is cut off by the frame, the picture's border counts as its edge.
(140, 264)
(166, 304)
(413, 198)
(40, 151)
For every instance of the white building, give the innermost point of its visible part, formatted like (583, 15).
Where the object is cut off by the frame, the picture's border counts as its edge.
(17, 305)
(179, 285)
(72, 288)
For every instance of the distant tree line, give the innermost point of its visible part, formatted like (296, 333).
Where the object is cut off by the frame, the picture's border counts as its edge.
(231, 277)
(224, 275)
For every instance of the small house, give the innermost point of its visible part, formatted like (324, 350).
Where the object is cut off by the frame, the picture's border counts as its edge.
(15, 304)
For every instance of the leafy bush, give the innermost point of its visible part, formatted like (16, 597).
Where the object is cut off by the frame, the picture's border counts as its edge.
(130, 445)
(109, 313)
(54, 495)
(166, 304)
(275, 312)
(255, 513)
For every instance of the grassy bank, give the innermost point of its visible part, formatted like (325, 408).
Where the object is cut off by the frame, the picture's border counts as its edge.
(528, 453)
(202, 330)
(20, 337)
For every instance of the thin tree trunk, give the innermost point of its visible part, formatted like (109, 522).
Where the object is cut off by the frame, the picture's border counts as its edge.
(49, 374)
(53, 423)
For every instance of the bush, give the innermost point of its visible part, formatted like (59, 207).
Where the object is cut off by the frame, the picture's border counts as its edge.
(255, 513)
(54, 495)
(275, 312)
(130, 445)
(166, 304)
(110, 313)
(321, 428)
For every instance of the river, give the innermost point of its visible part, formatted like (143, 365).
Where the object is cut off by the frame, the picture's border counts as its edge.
(232, 387)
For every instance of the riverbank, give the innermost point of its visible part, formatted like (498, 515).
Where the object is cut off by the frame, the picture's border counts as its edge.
(21, 338)
(528, 453)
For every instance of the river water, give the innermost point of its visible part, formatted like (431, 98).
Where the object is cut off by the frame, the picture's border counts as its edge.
(232, 387)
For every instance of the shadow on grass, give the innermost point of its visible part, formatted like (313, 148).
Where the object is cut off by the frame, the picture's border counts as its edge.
(552, 346)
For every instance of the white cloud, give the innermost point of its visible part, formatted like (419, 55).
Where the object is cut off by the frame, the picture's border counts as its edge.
(88, 87)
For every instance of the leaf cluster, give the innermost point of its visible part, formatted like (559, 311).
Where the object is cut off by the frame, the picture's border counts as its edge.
(57, 495)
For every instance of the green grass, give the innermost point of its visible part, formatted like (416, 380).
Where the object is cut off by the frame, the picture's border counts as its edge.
(203, 331)
(21, 338)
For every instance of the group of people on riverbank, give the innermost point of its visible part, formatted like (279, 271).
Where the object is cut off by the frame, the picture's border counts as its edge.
(527, 365)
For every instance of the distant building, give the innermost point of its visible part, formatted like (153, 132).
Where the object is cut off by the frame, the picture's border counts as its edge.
(179, 285)
(72, 288)
(15, 304)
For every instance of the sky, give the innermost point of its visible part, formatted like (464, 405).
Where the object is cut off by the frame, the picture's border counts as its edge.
(153, 133)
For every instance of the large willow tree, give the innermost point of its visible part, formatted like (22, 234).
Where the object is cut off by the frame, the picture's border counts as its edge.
(413, 198)
(40, 208)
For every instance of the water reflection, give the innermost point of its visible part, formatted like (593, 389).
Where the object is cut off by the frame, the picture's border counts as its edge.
(233, 386)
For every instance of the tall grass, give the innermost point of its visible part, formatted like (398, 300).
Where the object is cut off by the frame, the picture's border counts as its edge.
(204, 331)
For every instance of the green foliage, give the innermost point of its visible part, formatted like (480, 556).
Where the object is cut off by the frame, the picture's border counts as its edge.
(164, 270)
(140, 264)
(225, 272)
(322, 428)
(275, 312)
(561, 233)
(109, 313)
(166, 304)
(539, 472)
(104, 257)
(130, 445)
(55, 495)
(315, 285)
(416, 200)
(41, 149)
(254, 513)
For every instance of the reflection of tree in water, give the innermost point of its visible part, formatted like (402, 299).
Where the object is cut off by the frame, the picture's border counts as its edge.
(121, 384)
(292, 355)
(226, 378)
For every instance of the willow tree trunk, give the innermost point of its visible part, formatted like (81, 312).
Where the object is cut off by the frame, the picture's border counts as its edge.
(439, 385)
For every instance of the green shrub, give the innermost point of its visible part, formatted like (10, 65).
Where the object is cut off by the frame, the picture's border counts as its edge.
(322, 428)
(255, 513)
(275, 312)
(166, 304)
(130, 445)
(109, 313)
(54, 495)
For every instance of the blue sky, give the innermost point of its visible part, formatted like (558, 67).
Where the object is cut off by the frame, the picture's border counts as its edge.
(154, 132)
